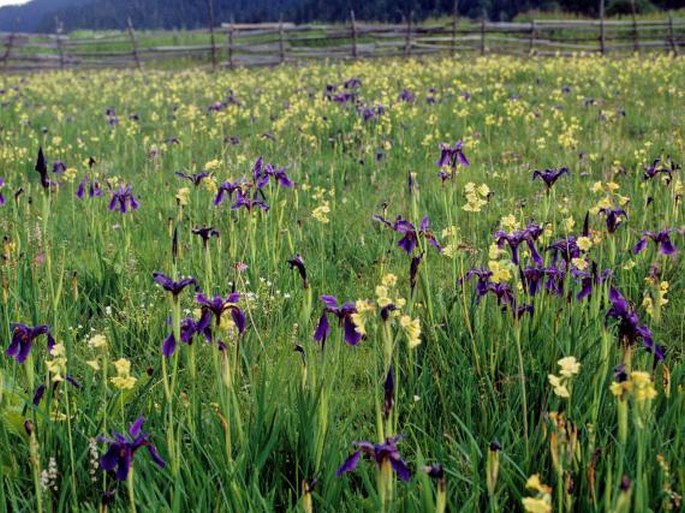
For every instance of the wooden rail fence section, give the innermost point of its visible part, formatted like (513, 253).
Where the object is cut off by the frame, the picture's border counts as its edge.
(246, 44)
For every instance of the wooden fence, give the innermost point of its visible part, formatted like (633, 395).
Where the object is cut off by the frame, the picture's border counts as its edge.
(234, 44)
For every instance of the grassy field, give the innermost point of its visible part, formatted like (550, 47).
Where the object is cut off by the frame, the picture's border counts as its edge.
(503, 343)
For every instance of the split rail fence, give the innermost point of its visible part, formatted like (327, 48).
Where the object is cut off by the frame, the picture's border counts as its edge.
(239, 44)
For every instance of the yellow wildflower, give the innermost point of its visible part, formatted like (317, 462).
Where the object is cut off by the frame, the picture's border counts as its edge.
(412, 328)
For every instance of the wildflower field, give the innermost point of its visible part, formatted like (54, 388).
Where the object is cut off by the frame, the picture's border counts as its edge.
(411, 286)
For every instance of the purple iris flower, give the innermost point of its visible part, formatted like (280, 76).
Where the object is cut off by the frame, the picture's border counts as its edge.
(227, 188)
(261, 173)
(123, 197)
(389, 388)
(567, 249)
(189, 328)
(123, 448)
(218, 304)
(112, 118)
(380, 453)
(195, 178)
(2, 184)
(528, 235)
(532, 278)
(58, 167)
(662, 239)
(407, 96)
(352, 83)
(613, 216)
(555, 279)
(550, 175)
(297, 262)
(658, 166)
(452, 155)
(22, 340)
(94, 188)
(175, 287)
(370, 113)
(344, 314)
(503, 293)
(243, 200)
(629, 327)
(482, 285)
(344, 97)
(589, 279)
(42, 168)
(206, 232)
(410, 238)
(414, 271)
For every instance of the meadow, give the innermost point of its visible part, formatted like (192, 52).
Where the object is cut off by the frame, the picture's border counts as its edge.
(416, 286)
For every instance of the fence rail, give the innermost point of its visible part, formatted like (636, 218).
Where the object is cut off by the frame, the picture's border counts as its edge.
(252, 44)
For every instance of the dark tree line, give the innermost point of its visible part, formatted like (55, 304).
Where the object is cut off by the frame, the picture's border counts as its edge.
(40, 15)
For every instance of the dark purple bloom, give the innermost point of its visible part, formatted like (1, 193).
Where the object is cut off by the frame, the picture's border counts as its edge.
(195, 178)
(409, 241)
(38, 395)
(414, 271)
(452, 155)
(123, 448)
(206, 232)
(435, 471)
(629, 327)
(227, 188)
(352, 83)
(94, 188)
(662, 239)
(261, 173)
(249, 203)
(528, 235)
(175, 287)
(532, 278)
(389, 388)
(658, 166)
(297, 262)
(503, 293)
(22, 340)
(124, 198)
(550, 175)
(589, 279)
(380, 453)
(189, 328)
(567, 249)
(483, 283)
(613, 216)
(2, 184)
(344, 314)
(112, 118)
(218, 305)
(407, 96)
(58, 167)
(42, 168)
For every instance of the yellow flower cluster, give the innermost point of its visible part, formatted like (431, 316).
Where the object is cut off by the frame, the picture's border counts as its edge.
(542, 502)
(653, 302)
(476, 196)
(321, 212)
(639, 386)
(123, 380)
(569, 368)
(57, 366)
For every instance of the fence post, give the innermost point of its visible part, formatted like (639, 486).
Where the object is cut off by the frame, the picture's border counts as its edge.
(671, 35)
(281, 41)
(59, 29)
(602, 37)
(210, 11)
(8, 50)
(407, 43)
(532, 36)
(455, 19)
(231, 64)
(354, 35)
(636, 36)
(134, 42)
(482, 34)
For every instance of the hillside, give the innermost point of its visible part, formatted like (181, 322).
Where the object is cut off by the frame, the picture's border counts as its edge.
(40, 15)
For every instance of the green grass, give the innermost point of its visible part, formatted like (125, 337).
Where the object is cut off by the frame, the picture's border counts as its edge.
(241, 429)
